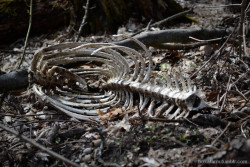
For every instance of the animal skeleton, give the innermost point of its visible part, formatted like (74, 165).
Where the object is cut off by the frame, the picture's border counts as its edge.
(66, 88)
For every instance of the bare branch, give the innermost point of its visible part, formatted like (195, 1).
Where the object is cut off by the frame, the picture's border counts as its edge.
(155, 38)
(185, 46)
(164, 21)
(83, 21)
(27, 35)
(242, 22)
(42, 148)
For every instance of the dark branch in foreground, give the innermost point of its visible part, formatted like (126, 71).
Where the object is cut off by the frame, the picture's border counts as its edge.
(14, 81)
(157, 38)
(42, 148)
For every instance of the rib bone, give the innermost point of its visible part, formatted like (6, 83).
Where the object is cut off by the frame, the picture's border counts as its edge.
(81, 79)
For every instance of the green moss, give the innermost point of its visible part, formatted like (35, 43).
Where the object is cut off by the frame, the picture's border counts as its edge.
(192, 19)
(10, 8)
(5, 7)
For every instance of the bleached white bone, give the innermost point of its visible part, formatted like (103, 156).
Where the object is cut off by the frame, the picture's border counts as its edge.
(151, 108)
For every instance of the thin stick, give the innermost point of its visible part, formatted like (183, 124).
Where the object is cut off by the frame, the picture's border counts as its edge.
(241, 129)
(223, 6)
(215, 54)
(159, 120)
(163, 21)
(31, 115)
(184, 46)
(228, 89)
(16, 51)
(242, 21)
(244, 39)
(208, 40)
(171, 18)
(42, 148)
(27, 35)
(191, 122)
(225, 129)
(83, 21)
(148, 26)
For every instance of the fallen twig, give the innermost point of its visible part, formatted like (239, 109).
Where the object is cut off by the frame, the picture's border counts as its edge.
(163, 21)
(143, 118)
(242, 131)
(29, 115)
(184, 46)
(42, 148)
(16, 51)
(225, 129)
(215, 54)
(228, 89)
(242, 27)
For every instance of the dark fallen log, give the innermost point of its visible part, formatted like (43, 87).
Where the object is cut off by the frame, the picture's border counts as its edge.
(14, 81)
(157, 38)
(19, 79)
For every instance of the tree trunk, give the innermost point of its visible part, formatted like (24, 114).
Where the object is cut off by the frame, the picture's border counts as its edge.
(104, 15)
(14, 18)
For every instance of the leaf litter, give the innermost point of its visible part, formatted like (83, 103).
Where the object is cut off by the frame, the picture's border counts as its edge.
(128, 142)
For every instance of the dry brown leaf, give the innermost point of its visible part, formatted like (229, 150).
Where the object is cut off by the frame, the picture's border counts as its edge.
(149, 162)
(212, 96)
(100, 112)
(209, 132)
(122, 125)
(111, 115)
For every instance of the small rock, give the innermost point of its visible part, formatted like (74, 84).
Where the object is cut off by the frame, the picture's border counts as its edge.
(83, 165)
(77, 160)
(28, 145)
(87, 150)
(97, 142)
(42, 115)
(86, 158)
(209, 132)
(7, 119)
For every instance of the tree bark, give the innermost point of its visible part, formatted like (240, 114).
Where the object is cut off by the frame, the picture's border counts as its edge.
(14, 81)
(14, 18)
(104, 15)
(156, 38)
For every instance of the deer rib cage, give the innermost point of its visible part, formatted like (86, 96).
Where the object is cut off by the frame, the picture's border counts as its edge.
(80, 79)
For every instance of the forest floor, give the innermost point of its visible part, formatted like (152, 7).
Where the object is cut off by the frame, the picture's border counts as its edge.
(212, 138)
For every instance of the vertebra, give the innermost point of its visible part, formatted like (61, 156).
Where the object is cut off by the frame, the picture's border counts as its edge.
(68, 90)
